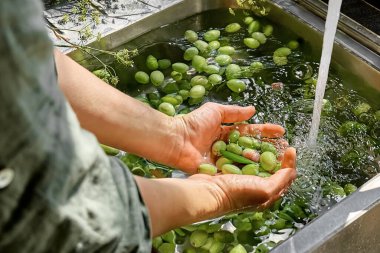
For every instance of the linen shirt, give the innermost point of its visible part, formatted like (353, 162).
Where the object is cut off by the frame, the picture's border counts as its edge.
(66, 194)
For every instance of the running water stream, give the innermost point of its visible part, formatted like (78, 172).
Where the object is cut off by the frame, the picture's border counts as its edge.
(328, 43)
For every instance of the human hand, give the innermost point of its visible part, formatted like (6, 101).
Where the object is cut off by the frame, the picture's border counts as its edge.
(243, 192)
(202, 127)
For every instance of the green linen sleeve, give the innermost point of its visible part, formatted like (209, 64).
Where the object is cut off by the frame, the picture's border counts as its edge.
(66, 195)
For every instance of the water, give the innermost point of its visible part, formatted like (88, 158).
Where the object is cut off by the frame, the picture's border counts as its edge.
(328, 43)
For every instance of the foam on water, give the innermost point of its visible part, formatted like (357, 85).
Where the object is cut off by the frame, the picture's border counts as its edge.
(328, 43)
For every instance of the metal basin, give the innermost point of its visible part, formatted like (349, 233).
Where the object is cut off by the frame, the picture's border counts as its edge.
(351, 225)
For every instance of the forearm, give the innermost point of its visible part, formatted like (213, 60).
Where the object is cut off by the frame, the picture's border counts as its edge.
(176, 202)
(115, 118)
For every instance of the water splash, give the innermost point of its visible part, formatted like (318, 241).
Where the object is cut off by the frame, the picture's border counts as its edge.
(328, 43)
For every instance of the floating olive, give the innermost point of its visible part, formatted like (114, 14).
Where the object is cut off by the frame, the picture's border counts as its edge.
(256, 66)
(223, 59)
(231, 28)
(157, 77)
(282, 51)
(216, 247)
(164, 64)
(198, 238)
(199, 63)
(248, 20)
(191, 36)
(254, 27)
(142, 77)
(361, 108)
(233, 71)
(280, 60)
(176, 75)
(236, 85)
(215, 79)
(166, 248)
(202, 46)
(211, 35)
(151, 62)
(228, 50)
(251, 43)
(199, 80)
(166, 108)
(198, 91)
(224, 236)
(268, 30)
(293, 44)
(349, 188)
(184, 94)
(180, 67)
(238, 249)
(260, 37)
(190, 53)
(214, 45)
(211, 69)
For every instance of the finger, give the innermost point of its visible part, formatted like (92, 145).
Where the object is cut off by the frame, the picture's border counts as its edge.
(289, 160)
(281, 180)
(257, 130)
(234, 113)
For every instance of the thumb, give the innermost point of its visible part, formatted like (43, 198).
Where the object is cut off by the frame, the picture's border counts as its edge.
(234, 113)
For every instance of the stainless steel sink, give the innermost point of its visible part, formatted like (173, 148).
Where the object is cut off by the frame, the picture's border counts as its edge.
(353, 224)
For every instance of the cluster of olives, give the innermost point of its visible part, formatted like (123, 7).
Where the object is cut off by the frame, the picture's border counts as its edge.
(243, 155)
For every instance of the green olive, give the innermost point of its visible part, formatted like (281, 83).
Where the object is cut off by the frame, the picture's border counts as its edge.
(171, 99)
(280, 60)
(238, 249)
(268, 161)
(164, 64)
(199, 63)
(166, 248)
(361, 108)
(215, 79)
(198, 238)
(234, 148)
(180, 67)
(142, 77)
(214, 45)
(222, 161)
(256, 66)
(251, 169)
(246, 142)
(190, 53)
(216, 247)
(236, 85)
(227, 50)
(151, 62)
(248, 20)
(260, 37)
(191, 36)
(211, 35)
(224, 236)
(202, 46)
(217, 146)
(233, 136)
(198, 91)
(251, 43)
(231, 169)
(176, 75)
(349, 188)
(282, 52)
(254, 27)
(199, 80)
(211, 69)
(223, 59)
(233, 71)
(266, 146)
(157, 78)
(268, 30)
(184, 94)
(232, 28)
(167, 108)
(293, 44)
(208, 169)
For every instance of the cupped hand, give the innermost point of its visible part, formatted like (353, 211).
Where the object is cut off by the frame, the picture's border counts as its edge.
(242, 192)
(202, 127)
